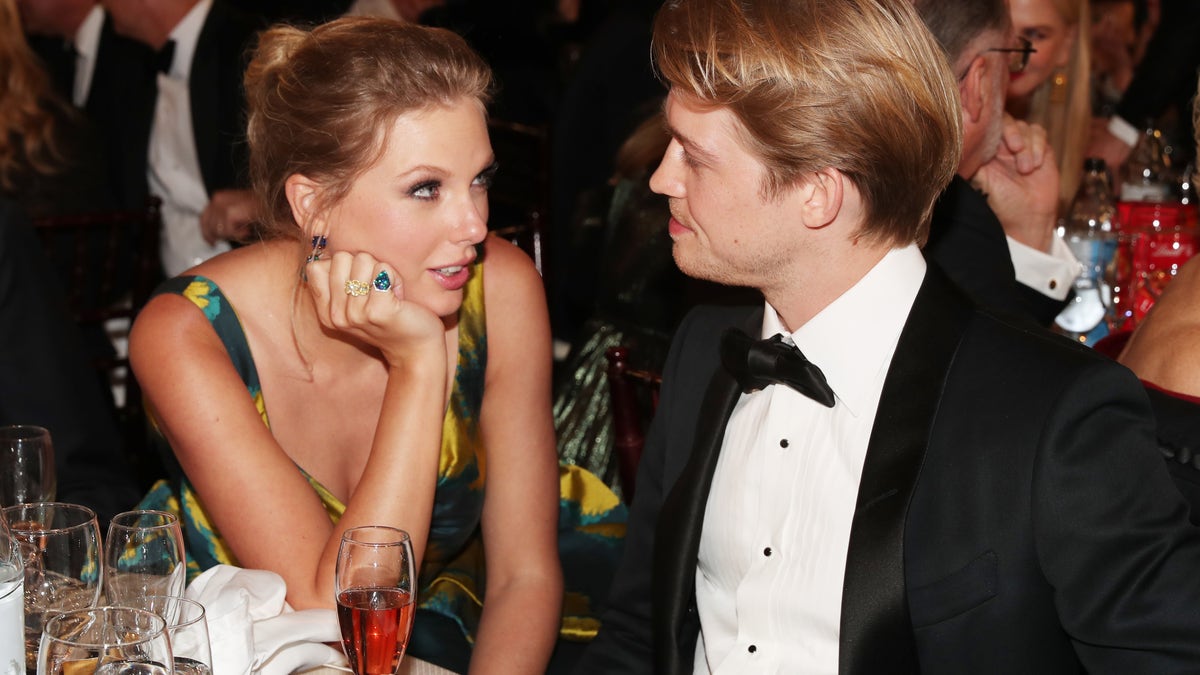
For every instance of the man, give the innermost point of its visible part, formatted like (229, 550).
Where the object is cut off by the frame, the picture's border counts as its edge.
(91, 67)
(47, 380)
(184, 131)
(997, 242)
(1165, 77)
(954, 494)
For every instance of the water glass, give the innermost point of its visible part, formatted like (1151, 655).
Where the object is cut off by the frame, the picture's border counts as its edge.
(26, 465)
(12, 611)
(143, 555)
(187, 629)
(375, 586)
(105, 641)
(60, 549)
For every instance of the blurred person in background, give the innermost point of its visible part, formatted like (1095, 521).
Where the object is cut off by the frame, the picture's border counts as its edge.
(182, 137)
(1053, 91)
(993, 228)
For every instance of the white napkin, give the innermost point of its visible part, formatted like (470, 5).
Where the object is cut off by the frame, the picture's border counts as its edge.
(252, 628)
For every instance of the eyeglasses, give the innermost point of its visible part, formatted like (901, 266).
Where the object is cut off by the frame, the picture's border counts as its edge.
(1018, 57)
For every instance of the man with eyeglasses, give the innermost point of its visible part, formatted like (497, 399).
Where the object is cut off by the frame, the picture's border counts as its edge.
(994, 227)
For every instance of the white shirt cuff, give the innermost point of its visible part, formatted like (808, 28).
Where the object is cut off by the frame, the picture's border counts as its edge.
(1050, 274)
(1126, 132)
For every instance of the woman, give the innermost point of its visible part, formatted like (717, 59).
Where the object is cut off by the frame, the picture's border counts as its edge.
(360, 339)
(49, 158)
(1053, 90)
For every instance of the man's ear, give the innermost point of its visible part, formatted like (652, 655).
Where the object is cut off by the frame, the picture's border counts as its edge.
(303, 196)
(822, 192)
(973, 90)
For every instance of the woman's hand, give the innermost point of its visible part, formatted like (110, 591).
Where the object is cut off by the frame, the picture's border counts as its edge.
(376, 312)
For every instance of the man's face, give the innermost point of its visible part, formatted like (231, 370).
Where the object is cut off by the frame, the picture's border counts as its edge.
(981, 137)
(723, 227)
(51, 17)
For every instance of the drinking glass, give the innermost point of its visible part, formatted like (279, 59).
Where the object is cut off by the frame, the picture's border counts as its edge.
(12, 592)
(143, 555)
(60, 548)
(375, 586)
(187, 629)
(105, 641)
(26, 465)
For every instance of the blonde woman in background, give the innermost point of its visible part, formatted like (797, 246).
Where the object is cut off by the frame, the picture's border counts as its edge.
(1053, 90)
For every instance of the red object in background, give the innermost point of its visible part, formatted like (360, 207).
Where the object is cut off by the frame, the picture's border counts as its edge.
(1154, 240)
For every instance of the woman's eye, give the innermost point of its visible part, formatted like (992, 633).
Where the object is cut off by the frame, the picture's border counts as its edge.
(486, 177)
(427, 190)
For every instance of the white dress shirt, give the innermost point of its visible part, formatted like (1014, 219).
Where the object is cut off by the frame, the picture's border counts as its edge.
(87, 47)
(1050, 274)
(173, 166)
(776, 530)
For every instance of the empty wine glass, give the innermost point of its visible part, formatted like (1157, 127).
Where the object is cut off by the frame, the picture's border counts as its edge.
(105, 641)
(375, 586)
(26, 465)
(60, 548)
(187, 629)
(143, 555)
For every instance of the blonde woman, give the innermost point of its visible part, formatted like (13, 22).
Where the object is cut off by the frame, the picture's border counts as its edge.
(1053, 90)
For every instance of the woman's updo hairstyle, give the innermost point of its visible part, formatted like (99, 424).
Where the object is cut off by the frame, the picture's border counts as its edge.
(321, 102)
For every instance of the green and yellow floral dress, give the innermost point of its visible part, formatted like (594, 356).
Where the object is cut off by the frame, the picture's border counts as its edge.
(591, 517)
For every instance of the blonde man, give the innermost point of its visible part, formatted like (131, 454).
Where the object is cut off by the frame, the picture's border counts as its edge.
(931, 489)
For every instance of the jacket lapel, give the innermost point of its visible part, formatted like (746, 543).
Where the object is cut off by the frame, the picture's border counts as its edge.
(680, 520)
(876, 631)
(203, 95)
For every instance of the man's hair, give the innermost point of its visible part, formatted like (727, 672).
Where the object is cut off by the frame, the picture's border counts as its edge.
(856, 85)
(956, 23)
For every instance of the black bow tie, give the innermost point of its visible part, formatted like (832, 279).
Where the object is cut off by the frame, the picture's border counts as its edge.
(164, 57)
(758, 363)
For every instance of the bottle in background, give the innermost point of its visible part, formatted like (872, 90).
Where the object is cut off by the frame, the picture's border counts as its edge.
(1091, 234)
(1147, 171)
(12, 604)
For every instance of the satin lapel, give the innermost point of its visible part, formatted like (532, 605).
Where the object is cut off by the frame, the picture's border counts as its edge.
(876, 631)
(677, 538)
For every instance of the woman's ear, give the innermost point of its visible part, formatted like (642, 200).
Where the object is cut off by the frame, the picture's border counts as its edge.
(303, 197)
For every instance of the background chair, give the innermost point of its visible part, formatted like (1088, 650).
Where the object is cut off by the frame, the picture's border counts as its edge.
(634, 396)
(108, 264)
(519, 199)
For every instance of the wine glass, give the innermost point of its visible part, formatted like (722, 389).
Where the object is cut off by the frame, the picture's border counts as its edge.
(110, 640)
(187, 629)
(26, 465)
(60, 548)
(375, 586)
(143, 555)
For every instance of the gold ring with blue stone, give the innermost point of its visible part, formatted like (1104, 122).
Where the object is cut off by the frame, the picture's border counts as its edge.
(382, 282)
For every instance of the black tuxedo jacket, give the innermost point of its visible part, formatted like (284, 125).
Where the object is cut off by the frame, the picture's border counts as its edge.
(968, 242)
(217, 106)
(117, 80)
(1013, 514)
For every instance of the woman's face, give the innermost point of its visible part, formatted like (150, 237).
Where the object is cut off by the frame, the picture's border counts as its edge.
(1040, 22)
(423, 206)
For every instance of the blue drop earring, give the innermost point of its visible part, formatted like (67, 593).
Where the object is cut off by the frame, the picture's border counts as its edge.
(318, 247)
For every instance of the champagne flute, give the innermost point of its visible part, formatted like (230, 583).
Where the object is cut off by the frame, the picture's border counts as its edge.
(60, 548)
(105, 641)
(26, 465)
(143, 555)
(187, 629)
(375, 586)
